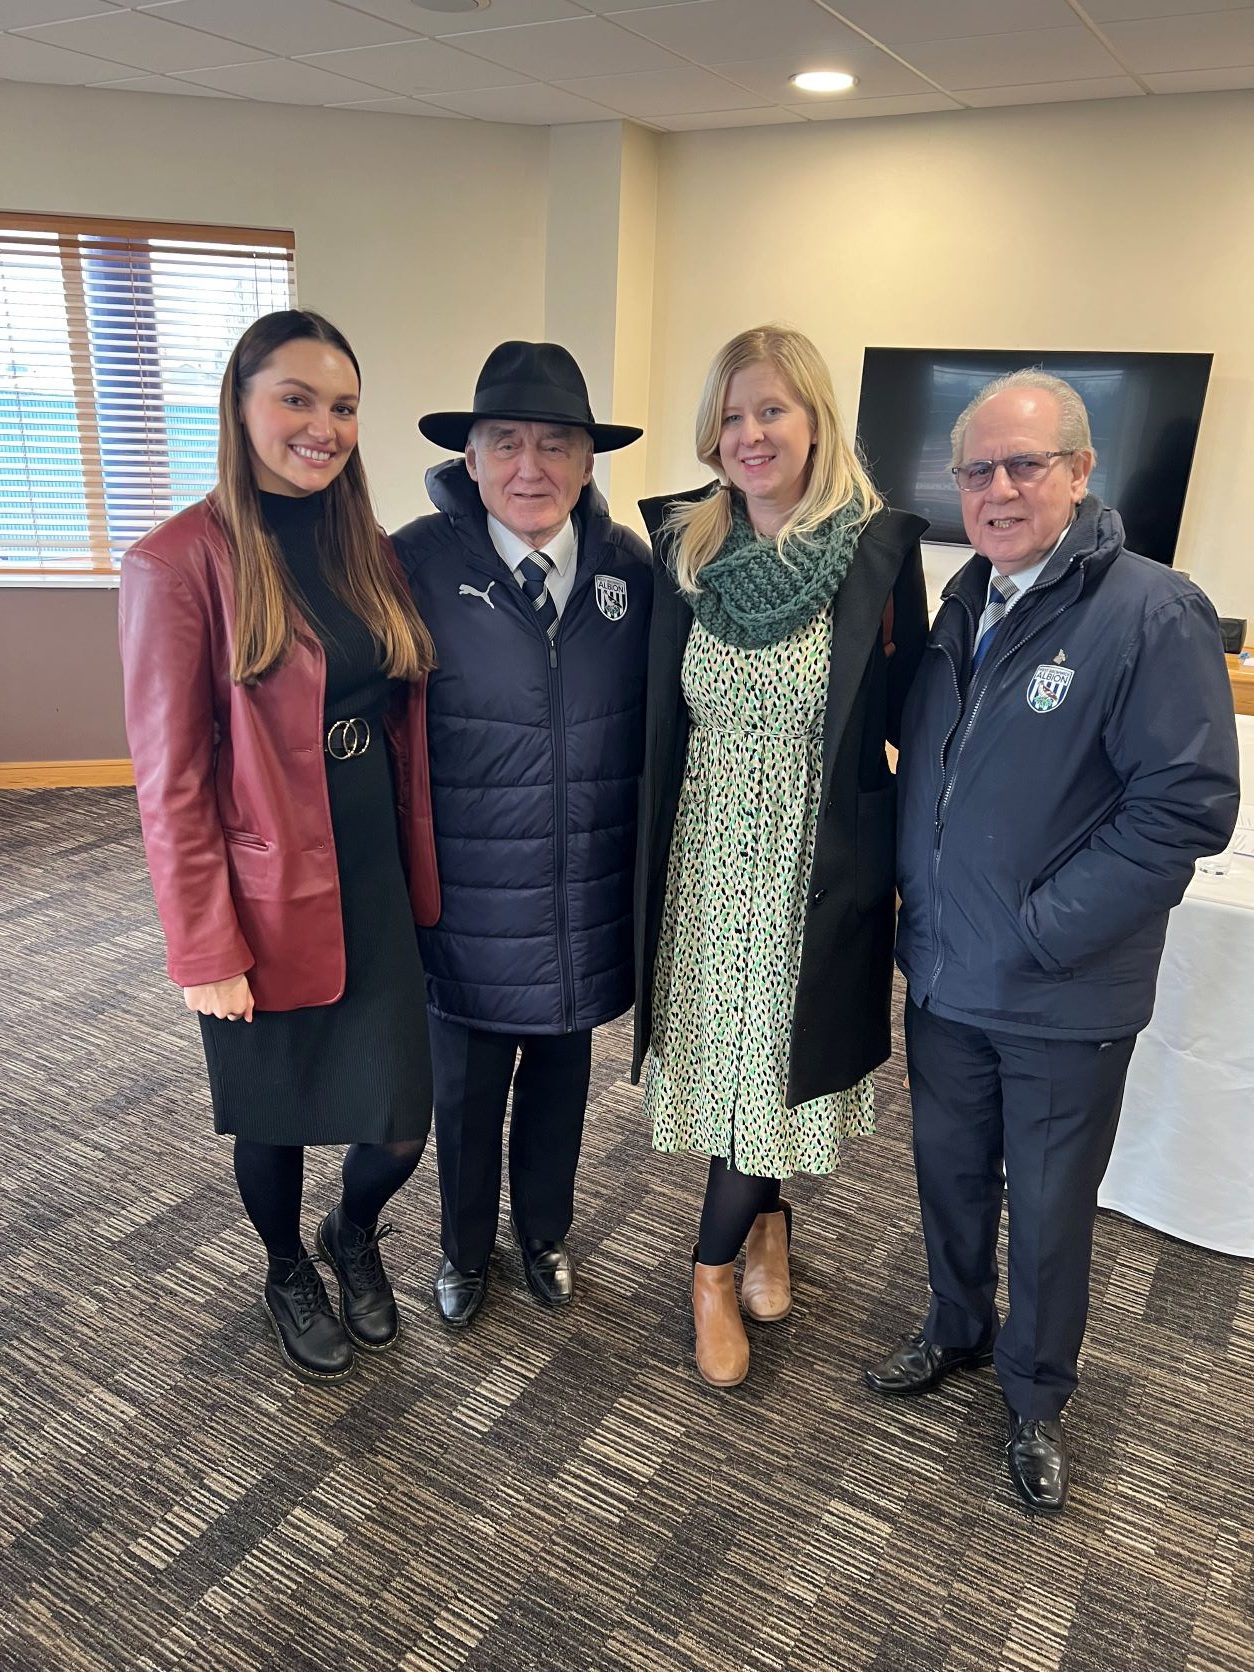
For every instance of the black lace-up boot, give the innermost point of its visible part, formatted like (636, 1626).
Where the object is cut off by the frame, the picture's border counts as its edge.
(311, 1337)
(367, 1304)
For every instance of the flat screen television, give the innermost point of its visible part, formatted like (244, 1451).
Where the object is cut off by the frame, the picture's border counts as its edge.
(1144, 410)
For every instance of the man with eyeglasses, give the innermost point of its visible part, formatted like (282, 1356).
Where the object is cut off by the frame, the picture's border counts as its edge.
(1068, 750)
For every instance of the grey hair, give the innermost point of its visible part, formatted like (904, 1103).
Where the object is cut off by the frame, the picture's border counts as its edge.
(1074, 435)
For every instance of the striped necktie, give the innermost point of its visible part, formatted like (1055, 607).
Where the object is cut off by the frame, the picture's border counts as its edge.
(1003, 589)
(532, 574)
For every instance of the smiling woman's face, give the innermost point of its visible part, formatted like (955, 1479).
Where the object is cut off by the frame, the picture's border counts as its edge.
(299, 413)
(765, 444)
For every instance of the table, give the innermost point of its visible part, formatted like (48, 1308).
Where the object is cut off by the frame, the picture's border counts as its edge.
(1183, 1160)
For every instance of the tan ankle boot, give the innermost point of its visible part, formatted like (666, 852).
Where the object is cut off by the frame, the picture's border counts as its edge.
(765, 1288)
(722, 1345)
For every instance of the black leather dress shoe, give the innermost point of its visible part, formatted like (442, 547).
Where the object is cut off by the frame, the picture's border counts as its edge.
(311, 1337)
(918, 1365)
(367, 1304)
(548, 1268)
(459, 1294)
(1036, 1455)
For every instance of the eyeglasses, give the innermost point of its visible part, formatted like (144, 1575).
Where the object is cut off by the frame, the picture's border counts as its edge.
(1022, 469)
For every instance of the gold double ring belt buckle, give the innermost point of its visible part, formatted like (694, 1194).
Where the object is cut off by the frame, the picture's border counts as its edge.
(347, 738)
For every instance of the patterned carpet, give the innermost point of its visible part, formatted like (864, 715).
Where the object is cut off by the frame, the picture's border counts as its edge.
(548, 1493)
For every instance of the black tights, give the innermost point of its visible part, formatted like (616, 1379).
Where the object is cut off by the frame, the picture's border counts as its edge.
(733, 1201)
(271, 1177)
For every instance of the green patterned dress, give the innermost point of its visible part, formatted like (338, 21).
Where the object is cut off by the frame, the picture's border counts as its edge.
(730, 946)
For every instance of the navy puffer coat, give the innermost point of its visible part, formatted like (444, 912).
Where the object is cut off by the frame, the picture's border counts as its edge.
(535, 767)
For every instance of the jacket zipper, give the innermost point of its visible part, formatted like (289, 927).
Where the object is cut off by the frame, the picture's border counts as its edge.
(947, 788)
(558, 730)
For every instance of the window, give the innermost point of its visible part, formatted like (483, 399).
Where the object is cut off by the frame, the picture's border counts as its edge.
(113, 340)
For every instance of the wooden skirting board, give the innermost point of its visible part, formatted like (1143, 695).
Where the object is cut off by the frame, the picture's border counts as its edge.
(63, 775)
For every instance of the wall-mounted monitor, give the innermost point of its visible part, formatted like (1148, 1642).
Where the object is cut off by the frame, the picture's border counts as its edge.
(1144, 410)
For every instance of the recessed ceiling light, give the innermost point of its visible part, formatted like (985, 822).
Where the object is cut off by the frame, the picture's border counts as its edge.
(452, 5)
(824, 81)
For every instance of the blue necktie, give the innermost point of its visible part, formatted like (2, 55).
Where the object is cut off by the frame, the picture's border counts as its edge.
(532, 574)
(1003, 590)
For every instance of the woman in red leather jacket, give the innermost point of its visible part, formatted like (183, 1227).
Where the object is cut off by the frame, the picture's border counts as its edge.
(275, 678)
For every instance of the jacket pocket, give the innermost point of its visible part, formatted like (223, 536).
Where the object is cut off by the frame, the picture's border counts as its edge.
(875, 846)
(245, 839)
(252, 864)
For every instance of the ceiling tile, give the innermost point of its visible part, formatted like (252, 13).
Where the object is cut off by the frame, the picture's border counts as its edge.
(284, 82)
(528, 102)
(894, 21)
(878, 76)
(399, 107)
(416, 67)
(769, 116)
(1201, 41)
(285, 26)
(1012, 60)
(908, 104)
(663, 92)
(725, 29)
(501, 14)
(557, 51)
(1120, 11)
(163, 84)
(21, 14)
(24, 59)
(1054, 92)
(1203, 81)
(145, 41)
(609, 7)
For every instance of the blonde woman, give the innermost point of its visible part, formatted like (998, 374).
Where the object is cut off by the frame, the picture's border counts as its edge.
(789, 618)
(275, 676)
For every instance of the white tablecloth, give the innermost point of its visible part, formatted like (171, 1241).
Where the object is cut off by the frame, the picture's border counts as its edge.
(1184, 1158)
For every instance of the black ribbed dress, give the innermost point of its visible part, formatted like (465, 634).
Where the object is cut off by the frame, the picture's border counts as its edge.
(359, 1070)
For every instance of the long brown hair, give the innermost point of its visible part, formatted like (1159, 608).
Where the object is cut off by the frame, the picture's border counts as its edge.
(838, 479)
(362, 576)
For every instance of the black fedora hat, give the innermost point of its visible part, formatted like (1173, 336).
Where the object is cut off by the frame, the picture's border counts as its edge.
(534, 383)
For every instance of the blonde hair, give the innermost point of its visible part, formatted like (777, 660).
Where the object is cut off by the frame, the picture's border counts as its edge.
(1074, 435)
(361, 576)
(837, 477)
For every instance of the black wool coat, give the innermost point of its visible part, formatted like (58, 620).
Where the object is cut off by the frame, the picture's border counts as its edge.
(840, 1025)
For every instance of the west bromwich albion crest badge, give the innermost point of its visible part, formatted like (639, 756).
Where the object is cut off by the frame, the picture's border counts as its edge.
(611, 597)
(1048, 687)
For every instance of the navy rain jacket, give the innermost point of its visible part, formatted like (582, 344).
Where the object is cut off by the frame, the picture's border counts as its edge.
(1047, 826)
(535, 755)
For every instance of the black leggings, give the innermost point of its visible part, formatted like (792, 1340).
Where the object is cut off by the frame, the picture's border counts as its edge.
(271, 1177)
(733, 1200)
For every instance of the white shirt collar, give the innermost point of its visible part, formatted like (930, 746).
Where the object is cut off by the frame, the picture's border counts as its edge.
(1024, 578)
(512, 548)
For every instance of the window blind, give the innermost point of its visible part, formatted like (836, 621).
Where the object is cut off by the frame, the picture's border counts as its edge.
(113, 339)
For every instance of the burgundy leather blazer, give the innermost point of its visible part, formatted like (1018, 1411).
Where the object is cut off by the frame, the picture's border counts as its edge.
(231, 779)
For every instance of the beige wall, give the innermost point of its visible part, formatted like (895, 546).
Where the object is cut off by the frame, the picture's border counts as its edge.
(1126, 224)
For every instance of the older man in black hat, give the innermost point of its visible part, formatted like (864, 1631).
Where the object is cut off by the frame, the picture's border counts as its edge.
(539, 606)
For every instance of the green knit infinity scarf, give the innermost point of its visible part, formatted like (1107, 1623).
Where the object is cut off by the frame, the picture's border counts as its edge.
(750, 597)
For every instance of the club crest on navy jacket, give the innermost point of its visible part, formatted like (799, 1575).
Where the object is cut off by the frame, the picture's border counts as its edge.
(535, 756)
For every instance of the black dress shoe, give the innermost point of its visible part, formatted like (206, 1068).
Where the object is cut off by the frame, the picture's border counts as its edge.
(311, 1337)
(918, 1365)
(1036, 1455)
(548, 1268)
(459, 1294)
(367, 1304)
